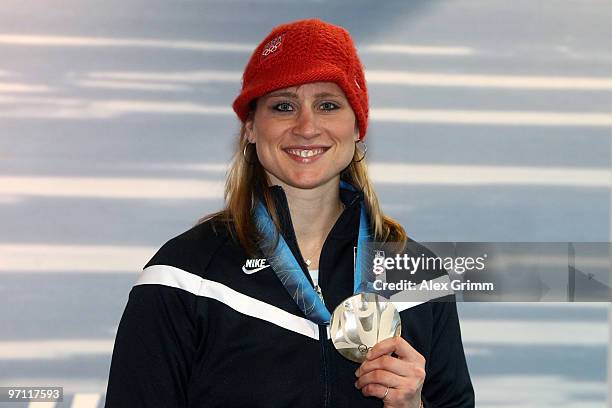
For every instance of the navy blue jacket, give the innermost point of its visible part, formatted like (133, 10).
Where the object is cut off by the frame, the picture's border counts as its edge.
(198, 331)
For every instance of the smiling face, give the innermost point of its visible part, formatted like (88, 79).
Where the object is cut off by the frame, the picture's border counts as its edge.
(305, 135)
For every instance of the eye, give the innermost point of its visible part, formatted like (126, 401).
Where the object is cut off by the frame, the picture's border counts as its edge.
(283, 107)
(329, 106)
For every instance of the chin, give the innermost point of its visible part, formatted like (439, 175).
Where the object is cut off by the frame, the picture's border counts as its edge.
(305, 184)
(307, 181)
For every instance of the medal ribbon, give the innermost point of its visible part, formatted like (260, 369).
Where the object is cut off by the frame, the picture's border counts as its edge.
(290, 273)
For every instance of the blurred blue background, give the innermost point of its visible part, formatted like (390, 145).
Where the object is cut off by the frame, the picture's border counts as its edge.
(491, 120)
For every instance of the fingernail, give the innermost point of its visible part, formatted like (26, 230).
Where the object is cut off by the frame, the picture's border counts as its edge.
(356, 384)
(369, 354)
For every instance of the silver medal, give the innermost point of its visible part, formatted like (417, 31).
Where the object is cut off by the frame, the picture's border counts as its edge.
(361, 321)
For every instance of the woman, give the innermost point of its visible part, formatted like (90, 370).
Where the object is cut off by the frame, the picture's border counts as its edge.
(213, 320)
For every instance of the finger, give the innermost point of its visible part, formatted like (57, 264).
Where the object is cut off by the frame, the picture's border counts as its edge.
(398, 345)
(378, 390)
(385, 362)
(380, 377)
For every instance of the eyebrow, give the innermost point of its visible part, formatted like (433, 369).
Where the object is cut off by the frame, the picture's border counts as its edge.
(294, 95)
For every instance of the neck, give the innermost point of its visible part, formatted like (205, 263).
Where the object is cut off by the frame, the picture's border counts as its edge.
(313, 214)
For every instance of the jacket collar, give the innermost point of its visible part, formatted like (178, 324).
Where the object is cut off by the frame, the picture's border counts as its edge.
(345, 227)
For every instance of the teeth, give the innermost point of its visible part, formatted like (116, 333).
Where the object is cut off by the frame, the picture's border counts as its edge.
(305, 152)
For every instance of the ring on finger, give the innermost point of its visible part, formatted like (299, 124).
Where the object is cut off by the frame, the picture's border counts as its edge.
(386, 392)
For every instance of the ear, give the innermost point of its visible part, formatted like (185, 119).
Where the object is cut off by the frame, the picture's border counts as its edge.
(356, 133)
(248, 127)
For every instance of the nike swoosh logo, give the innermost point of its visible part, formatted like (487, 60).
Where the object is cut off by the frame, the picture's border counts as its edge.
(250, 271)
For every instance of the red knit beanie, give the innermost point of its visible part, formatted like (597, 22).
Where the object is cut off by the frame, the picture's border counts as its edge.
(300, 52)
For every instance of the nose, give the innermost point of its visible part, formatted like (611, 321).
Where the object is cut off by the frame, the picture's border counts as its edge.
(306, 124)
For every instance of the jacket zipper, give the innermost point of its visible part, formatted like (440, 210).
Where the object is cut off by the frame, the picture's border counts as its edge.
(323, 333)
(323, 341)
(322, 328)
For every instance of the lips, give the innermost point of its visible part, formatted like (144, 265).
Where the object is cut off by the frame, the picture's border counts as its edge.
(305, 154)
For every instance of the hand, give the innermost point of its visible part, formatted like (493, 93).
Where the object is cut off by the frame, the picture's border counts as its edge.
(403, 375)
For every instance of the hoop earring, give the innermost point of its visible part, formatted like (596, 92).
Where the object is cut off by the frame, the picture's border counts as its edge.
(363, 148)
(244, 153)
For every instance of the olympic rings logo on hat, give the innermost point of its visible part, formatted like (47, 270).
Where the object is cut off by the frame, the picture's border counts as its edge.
(273, 45)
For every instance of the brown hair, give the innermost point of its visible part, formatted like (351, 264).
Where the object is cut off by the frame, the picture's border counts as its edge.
(246, 176)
